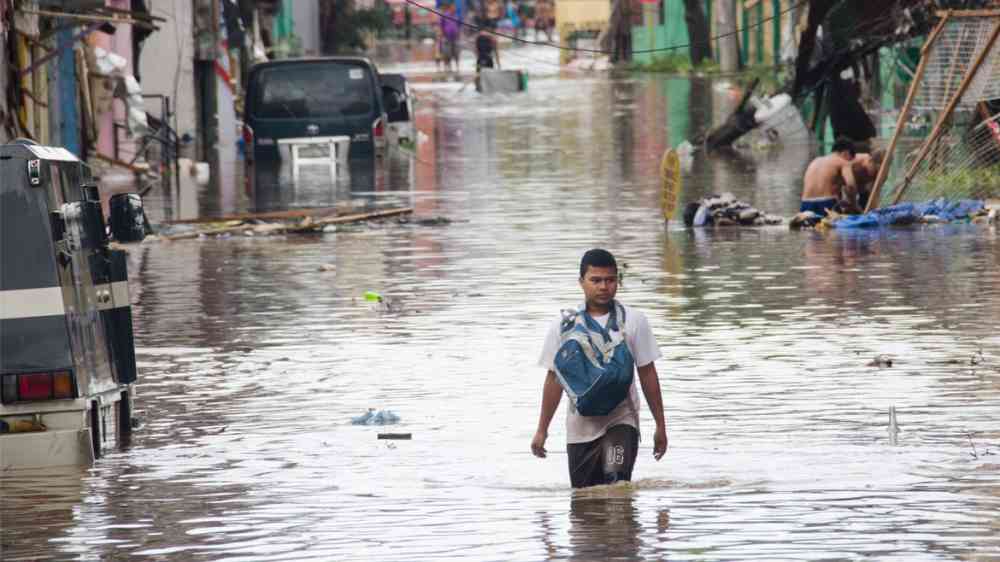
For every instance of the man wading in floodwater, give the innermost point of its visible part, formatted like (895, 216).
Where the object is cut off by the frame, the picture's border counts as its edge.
(592, 354)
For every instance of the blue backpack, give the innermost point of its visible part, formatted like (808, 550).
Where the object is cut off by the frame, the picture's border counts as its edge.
(593, 364)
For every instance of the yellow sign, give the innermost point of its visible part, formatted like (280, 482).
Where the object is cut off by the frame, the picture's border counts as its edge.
(670, 183)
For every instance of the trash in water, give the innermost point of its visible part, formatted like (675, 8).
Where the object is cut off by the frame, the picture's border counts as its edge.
(725, 210)
(373, 417)
(880, 361)
(805, 219)
(382, 304)
(395, 436)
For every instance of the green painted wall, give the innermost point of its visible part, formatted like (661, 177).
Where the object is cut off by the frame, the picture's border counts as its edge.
(672, 32)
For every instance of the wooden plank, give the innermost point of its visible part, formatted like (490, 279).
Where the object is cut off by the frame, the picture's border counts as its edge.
(305, 226)
(289, 214)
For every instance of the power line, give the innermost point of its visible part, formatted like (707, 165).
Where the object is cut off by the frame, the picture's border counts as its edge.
(597, 51)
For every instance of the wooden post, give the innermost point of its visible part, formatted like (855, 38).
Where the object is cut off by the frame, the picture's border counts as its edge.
(939, 126)
(883, 171)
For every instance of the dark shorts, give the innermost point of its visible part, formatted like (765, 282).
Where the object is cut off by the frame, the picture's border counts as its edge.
(819, 206)
(605, 460)
(484, 62)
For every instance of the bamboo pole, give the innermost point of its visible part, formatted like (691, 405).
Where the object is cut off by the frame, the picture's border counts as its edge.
(970, 13)
(949, 109)
(883, 171)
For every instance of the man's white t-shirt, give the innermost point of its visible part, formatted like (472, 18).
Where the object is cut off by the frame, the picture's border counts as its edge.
(642, 344)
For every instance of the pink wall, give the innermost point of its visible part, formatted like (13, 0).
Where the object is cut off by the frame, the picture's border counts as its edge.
(121, 44)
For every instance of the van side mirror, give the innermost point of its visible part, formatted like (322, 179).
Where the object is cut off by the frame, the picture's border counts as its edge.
(393, 100)
(128, 220)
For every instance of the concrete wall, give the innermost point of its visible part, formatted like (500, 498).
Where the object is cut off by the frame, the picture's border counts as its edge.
(306, 17)
(167, 63)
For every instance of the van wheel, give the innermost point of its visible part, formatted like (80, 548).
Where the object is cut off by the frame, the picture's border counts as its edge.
(95, 428)
(125, 417)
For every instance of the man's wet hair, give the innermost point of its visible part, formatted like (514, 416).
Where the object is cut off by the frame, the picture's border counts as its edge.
(843, 144)
(597, 258)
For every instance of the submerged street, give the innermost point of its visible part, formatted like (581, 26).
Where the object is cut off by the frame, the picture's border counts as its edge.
(254, 354)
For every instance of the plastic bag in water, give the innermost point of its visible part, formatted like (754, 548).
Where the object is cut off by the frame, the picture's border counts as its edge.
(373, 417)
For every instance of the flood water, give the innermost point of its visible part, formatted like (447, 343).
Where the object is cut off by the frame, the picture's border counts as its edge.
(255, 353)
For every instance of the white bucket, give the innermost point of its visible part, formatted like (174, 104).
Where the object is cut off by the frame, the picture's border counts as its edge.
(780, 120)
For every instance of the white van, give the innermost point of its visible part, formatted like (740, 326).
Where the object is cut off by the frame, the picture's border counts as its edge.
(67, 357)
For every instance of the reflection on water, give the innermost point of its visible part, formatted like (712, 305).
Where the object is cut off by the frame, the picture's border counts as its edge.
(256, 352)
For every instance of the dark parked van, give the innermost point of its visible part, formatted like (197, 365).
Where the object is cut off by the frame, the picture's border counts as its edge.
(67, 358)
(307, 108)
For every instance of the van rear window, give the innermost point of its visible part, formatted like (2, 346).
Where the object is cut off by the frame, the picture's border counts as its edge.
(313, 90)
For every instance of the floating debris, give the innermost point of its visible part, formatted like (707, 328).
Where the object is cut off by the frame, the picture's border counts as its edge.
(725, 210)
(269, 224)
(893, 426)
(880, 361)
(398, 436)
(805, 219)
(373, 417)
(426, 221)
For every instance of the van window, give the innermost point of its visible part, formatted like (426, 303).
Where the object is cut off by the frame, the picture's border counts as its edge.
(314, 90)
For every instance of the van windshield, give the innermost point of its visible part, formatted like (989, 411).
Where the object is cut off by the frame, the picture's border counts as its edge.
(311, 90)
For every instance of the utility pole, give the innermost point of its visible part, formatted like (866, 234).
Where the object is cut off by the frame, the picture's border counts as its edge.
(729, 46)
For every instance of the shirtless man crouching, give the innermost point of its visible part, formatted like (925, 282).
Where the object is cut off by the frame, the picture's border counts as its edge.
(830, 180)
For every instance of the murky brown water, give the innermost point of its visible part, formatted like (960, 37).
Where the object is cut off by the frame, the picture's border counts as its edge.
(253, 361)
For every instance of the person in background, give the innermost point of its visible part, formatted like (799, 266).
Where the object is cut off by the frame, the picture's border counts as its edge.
(522, 17)
(511, 13)
(865, 168)
(449, 32)
(543, 19)
(486, 51)
(438, 47)
(494, 11)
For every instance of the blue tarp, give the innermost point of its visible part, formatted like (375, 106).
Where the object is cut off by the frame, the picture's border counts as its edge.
(908, 213)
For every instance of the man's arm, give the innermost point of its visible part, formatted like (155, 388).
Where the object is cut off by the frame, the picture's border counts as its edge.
(650, 382)
(850, 191)
(551, 395)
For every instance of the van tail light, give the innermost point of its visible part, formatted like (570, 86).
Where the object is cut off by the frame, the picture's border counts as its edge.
(247, 134)
(378, 130)
(24, 387)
